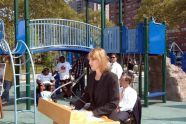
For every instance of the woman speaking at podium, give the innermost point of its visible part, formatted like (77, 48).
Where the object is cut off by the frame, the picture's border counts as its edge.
(102, 91)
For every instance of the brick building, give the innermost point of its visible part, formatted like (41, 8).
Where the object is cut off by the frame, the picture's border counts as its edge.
(130, 8)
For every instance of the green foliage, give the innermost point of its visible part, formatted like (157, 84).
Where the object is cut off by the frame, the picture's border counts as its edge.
(94, 18)
(48, 60)
(6, 14)
(38, 9)
(51, 9)
(171, 11)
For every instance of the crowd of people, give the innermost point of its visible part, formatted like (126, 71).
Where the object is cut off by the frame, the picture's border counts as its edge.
(107, 90)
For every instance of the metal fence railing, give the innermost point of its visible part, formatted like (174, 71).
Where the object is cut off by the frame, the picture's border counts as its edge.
(63, 32)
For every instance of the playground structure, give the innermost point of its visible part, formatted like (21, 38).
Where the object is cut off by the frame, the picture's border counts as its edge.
(148, 39)
(43, 35)
(18, 53)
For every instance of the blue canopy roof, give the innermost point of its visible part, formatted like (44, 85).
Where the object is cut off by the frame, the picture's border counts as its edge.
(99, 1)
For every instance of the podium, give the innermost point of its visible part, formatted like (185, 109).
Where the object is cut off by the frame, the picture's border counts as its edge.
(61, 114)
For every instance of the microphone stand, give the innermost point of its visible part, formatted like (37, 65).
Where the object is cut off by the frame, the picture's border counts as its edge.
(74, 82)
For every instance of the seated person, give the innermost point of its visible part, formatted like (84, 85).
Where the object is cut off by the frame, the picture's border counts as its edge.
(128, 97)
(44, 92)
(46, 78)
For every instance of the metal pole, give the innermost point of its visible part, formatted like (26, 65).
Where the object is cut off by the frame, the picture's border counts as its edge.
(120, 13)
(104, 15)
(27, 40)
(102, 21)
(164, 68)
(87, 32)
(17, 60)
(146, 75)
(120, 24)
(87, 5)
(87, 21)
(16, 90)
(140, 78)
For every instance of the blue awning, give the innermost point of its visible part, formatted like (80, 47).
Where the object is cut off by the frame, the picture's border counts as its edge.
(99, 1)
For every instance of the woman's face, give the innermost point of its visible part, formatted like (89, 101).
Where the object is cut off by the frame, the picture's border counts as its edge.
(94, 64)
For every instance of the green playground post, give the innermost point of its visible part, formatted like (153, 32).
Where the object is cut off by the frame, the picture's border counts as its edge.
(140, 78)
(87, 33)
(87, 5)
(146, 67)
(102, 21)
(16, 30)
(120, 25)
(164, 69)
(87, 21)
(27, 38)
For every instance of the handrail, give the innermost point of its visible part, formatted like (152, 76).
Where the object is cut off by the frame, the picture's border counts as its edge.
(173, 46)
(57, 19)
(63, 33)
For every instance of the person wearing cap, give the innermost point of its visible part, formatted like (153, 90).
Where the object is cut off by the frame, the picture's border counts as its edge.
(46, 77)
(46, 83)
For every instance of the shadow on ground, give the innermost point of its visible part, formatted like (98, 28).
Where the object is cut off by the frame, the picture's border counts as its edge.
(181, 119)
(177, 106)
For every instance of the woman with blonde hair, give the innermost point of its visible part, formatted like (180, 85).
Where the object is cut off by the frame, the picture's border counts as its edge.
(102, 91)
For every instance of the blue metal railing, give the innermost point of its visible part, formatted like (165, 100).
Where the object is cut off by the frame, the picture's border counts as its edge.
(63, 33)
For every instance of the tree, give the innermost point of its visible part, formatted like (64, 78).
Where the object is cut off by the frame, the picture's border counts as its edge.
(38, 9)
(94, 18)
(6, 14)
(51, 9)
(171, 11)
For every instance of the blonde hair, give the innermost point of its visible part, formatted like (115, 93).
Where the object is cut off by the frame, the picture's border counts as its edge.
(100, 55)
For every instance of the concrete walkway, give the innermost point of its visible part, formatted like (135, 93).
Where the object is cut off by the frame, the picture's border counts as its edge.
(164, 113)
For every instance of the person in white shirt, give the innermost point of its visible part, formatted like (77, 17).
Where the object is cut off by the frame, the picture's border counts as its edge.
(46, 79)
(128, 97)
(46, 84)
(115, 66)
(64, 70)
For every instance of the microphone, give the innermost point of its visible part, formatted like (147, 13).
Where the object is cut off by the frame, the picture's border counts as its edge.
(78, 79)
(74, 82)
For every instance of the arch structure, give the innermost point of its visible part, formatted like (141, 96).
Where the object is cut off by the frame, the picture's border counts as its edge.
(18, 53)
(62, 34)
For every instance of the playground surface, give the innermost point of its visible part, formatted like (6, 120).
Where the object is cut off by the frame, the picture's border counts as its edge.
(156, 113)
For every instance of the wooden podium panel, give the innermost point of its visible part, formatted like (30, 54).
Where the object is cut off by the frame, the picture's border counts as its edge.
(62, 114)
